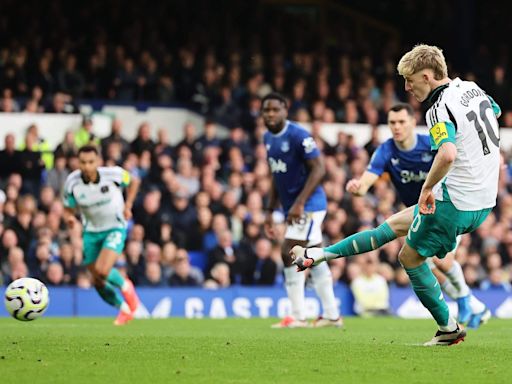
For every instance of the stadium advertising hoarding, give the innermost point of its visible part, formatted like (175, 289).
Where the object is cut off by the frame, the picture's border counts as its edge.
(242, 302)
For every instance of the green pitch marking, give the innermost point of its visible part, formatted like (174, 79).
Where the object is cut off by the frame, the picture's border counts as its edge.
(373, 351)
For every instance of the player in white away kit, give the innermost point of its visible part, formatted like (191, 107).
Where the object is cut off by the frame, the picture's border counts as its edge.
(96, 193)
(460, 190)
(297, 170)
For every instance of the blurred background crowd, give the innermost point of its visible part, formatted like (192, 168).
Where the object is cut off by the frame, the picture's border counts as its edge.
(198, 219)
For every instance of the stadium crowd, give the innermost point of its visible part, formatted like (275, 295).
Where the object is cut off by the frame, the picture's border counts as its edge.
(199, 217)
(198, 220)
(217, 62)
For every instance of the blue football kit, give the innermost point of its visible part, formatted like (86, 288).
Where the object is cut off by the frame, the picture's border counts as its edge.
(287, 154)
(407, 169)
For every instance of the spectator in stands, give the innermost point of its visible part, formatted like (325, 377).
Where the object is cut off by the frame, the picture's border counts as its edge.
(208, 139)
(68, 262)
(61, 103)
(219, 277)
(163, 144)
(83, 279)
(115, 137)
(371, 292)
(265, 270)
(183, 216)
(67, 147)
(498, 280)
(35, 143)
(227, 253)
(149, 216)
(69, 79)
(85, 135)
(187, 178)
(128, 82)
(9, 158)
(143, 141)
(153, 275)
(184, 275)
(55, 274)
(56, 177)
(135, 260)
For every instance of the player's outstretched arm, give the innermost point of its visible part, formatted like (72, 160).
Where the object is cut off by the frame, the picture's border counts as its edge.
(444, 159)
(360, 187)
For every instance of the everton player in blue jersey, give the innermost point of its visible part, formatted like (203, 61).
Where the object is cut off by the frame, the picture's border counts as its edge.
(297, 170)
(407, 157)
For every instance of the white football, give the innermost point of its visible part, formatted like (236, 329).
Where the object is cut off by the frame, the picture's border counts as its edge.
(26, 299)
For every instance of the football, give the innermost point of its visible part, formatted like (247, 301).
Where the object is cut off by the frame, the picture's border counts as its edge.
(26, 299)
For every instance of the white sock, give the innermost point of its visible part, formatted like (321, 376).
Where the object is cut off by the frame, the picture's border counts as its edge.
(317, 254)
(125, 286)
(450, 290)
(476, 305)
(322, 281)
(125, 308)
(450, 327)
(294, 283)
(456, 277)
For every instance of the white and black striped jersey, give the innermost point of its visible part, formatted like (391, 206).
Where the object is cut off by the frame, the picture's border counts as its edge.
(462, 113)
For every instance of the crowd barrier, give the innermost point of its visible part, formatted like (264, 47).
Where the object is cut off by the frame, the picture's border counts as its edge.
(242, 302)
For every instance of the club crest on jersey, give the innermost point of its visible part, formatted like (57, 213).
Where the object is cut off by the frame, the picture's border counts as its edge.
(267, 147)
(285, 146)
(426, 157)
(309, 144)
(395, 161)
(104, 189)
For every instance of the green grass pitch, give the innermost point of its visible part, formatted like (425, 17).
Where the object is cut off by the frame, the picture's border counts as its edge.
(387, 350)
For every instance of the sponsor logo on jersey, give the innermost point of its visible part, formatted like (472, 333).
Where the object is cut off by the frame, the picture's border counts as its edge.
(412, 177)
(439, 132)
(426, 157)
(267, 147)
(285, 146)
(309, 144)
(395, 161)
(277, 166)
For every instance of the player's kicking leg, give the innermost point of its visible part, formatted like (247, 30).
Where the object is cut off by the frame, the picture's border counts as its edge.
(362, 242)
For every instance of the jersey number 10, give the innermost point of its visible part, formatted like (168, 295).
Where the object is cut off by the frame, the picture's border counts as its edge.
(484, 106)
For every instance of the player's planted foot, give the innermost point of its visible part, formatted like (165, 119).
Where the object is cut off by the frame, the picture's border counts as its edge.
(321, 322)
(464, 306)
(130, 296)
(447, 338)
(479, 318)
(123, 318)
(290, 322)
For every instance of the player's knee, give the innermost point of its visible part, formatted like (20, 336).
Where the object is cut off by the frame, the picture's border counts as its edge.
(102, 272)
(98, 281)
(410, 259)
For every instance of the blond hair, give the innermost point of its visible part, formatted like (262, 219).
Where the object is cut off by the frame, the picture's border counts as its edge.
(421, 57)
